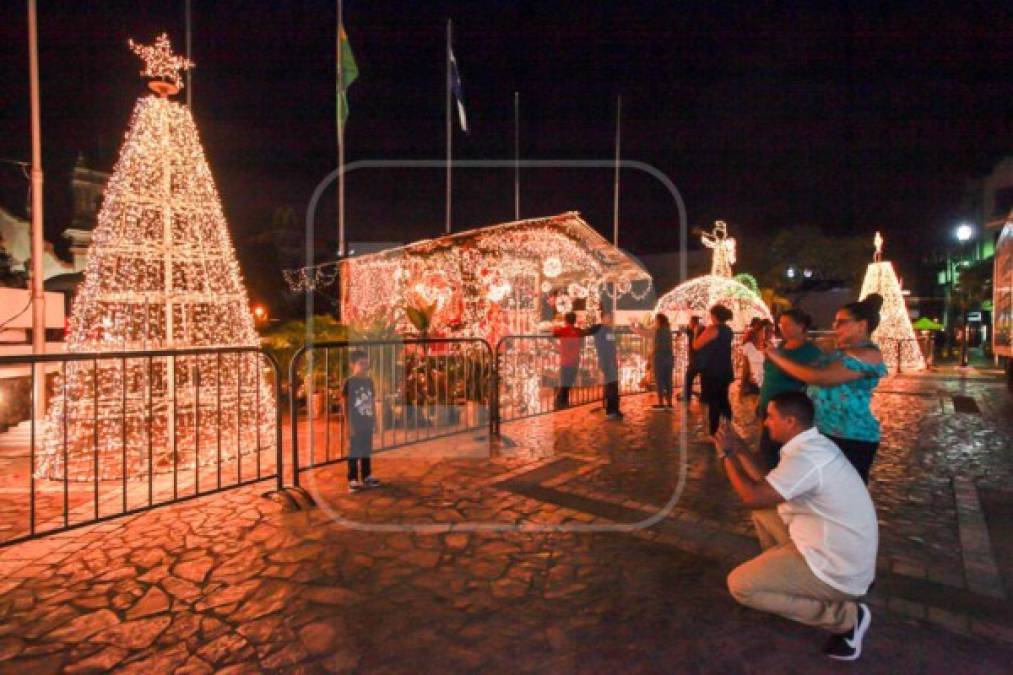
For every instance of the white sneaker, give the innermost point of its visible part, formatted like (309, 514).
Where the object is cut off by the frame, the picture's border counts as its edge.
(354, 485)
(371, 482)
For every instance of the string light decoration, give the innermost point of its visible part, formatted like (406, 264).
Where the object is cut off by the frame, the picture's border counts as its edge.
(895, 334)
(724, 249)
(696, 296)
(500, 276)
(162, 274)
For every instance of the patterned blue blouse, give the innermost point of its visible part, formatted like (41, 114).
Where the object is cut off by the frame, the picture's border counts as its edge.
(843, 410)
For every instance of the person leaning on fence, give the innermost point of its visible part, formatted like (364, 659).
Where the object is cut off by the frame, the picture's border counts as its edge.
(605, 346)
(815, 523)
(570, 339)
(360, 411)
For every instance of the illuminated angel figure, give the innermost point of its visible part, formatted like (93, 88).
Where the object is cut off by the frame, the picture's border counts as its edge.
(724, 249)
(877, 241)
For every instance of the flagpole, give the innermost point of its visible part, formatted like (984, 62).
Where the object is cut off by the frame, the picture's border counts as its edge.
(341, 140)
(37, 272)
(615, 194)
(517, 156)
(449, 129)
(189, 57)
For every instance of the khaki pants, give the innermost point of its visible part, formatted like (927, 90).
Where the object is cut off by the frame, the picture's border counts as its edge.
(779, 581)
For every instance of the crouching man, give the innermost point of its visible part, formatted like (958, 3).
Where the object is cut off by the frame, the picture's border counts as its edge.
(816, 524)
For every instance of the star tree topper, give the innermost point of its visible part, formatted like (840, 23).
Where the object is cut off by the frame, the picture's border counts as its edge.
(161, 65)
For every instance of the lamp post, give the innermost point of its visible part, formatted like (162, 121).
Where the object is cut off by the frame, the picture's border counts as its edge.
(964, 232)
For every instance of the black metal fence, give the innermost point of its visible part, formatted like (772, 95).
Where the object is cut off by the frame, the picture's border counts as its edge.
(530, 374)
(424, 389)
(128, 431)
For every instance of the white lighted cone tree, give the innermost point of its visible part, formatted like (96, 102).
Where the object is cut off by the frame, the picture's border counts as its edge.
(162, 274)
(895, 334)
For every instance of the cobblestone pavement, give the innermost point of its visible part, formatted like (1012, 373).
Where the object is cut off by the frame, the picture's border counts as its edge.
(484, 557)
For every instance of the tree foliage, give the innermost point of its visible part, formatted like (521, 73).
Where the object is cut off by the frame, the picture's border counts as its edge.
(830, 258)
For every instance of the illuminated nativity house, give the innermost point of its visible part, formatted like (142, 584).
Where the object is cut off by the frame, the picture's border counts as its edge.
(506, 279)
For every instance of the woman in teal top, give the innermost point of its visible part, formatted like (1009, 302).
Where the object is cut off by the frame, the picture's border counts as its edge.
(842, 382)
(796, 346)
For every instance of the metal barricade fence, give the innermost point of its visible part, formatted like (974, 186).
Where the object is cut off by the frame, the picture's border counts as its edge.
(128, 431)
(424, 389)
(529, 373)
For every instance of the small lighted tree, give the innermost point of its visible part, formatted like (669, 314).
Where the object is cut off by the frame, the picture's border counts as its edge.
(162, 274)
(895, 334)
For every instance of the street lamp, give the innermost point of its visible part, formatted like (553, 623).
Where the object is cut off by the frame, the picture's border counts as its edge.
(964, 232)
(259, 314)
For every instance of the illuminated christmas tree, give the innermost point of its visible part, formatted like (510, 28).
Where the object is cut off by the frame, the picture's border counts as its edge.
(162, 274)
(895, 334)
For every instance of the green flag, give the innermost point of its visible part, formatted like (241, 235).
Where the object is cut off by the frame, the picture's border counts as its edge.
(349, 71)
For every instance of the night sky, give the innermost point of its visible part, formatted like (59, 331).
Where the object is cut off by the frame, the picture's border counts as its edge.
(850, 119)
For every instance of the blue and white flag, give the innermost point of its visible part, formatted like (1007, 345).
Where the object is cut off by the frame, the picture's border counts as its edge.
(455, 88)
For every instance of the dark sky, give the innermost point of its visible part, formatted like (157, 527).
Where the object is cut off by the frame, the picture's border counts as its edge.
(851, 119)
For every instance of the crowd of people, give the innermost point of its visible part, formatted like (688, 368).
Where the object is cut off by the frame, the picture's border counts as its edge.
(806, 480)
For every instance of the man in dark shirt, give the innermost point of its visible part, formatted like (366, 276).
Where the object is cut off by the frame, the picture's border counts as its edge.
(605, 345)
(692, 369)
(360, 411)
(570, 339)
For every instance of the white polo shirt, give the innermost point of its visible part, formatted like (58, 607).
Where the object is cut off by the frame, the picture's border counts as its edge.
(828, 511)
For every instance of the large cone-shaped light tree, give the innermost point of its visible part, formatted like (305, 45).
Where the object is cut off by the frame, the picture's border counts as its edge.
(162, 274)
(895, 334)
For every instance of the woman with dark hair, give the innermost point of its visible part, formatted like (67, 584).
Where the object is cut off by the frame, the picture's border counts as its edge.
(714, 359)
(841, 383)
(663, 361)
(662, 358)
(795, 345)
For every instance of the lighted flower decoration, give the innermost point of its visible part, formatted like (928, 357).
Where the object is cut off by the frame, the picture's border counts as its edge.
(499, 290)
(624, 286)
(564, 304)
(552, 267)
(162, 65)
(577, 291)
(546, 287)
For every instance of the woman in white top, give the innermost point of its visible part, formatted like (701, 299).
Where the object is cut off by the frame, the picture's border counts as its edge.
(754, 345)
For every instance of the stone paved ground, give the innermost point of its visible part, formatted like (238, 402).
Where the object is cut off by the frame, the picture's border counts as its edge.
(519, 557)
